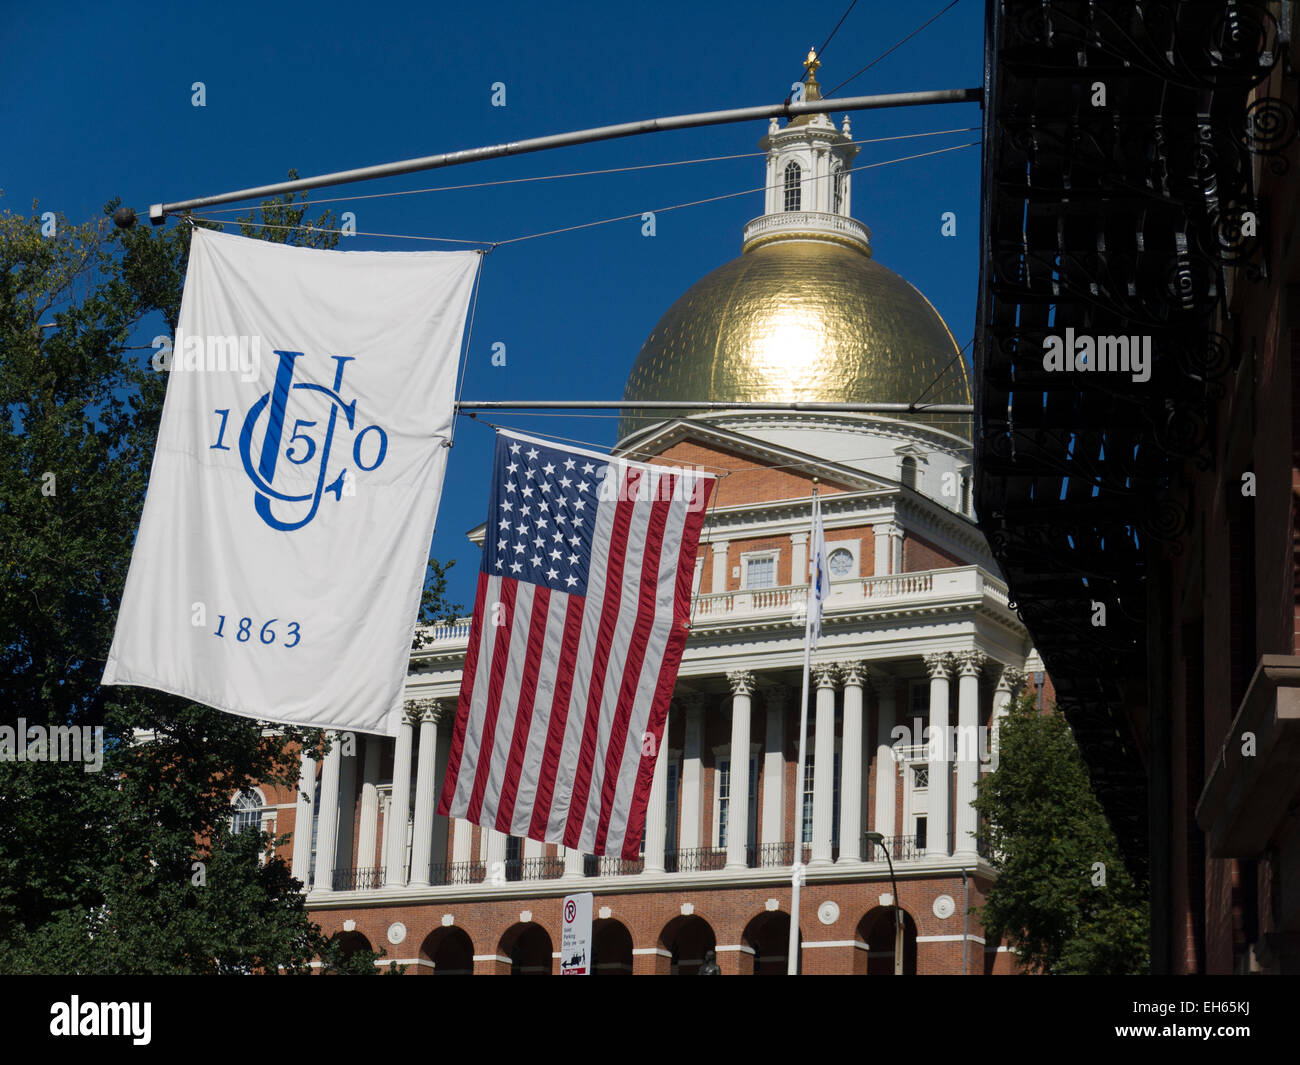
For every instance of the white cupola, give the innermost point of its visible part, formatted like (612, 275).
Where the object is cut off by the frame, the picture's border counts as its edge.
(809, 180)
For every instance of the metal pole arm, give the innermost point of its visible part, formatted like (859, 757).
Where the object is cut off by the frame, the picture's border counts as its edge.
(158, 212)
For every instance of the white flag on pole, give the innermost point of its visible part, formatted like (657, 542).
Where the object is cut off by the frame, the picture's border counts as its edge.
(282, 550)
(819, 577)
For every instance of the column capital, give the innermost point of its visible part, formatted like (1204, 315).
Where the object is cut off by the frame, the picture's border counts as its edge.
(853, 673)
(970, 663)
(418, 710)
(1009, 679)
(741, 681)
(775, 696)
(826, 674)
(798, 538)
(939, 665)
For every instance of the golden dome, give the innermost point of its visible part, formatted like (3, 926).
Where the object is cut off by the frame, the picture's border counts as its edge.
(799, 320)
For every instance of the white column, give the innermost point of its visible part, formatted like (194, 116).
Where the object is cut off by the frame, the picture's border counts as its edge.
(656, 814)
(799, 558)
(719, 565)
(773, 827)
(496, 856)
(896, 549)
(327, 833)
(936, 803)
(854, 675)
(970, 664)
(462, 841)
(742, 695)
(884, 551)
(572, 863)
(699, 574)
(400, 807)
(823, 764)
(886, 767)
(692, 773)
(369, 827)
(426, 772)
(1009, 679)
(534, 848)
(302, 821)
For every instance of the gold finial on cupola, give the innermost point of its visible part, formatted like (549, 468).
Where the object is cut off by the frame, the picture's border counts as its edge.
(811, 90)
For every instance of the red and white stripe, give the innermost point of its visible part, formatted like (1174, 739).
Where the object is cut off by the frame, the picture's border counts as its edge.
(562, 705)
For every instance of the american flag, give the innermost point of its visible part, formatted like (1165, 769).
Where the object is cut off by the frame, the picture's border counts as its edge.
(580, 619)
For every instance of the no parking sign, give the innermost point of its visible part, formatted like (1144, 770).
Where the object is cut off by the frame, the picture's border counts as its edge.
(575, 935)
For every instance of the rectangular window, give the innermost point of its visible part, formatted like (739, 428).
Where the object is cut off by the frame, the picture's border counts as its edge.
(760, 571)
(835, 804)
(674, 780)
(724, 793)
(806, 835)
(920, 833)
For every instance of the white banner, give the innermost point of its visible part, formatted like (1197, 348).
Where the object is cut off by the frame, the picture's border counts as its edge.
(282, 550)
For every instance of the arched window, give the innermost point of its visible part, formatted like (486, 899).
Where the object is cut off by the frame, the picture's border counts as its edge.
(908, 477)
(837, 184)
(793, 183)
(247, 813)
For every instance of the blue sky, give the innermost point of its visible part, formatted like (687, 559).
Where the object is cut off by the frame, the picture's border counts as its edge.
(99, 105)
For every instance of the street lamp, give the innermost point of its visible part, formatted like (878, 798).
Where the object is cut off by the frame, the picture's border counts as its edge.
(878, 838)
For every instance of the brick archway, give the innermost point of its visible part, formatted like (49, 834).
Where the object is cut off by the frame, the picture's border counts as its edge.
(449, 951)
(876, 930)
(528, 946)
(768, 936)
(611, 949)
(686, 939)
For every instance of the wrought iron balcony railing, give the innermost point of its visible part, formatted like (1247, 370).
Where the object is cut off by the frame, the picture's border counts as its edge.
(901, 849)
(441, 873)
(358, 879)
(607, 865)
(695, 860)
(534, 868)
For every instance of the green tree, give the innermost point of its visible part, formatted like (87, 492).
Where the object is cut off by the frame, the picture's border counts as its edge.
(1063, 898)
(133, 869)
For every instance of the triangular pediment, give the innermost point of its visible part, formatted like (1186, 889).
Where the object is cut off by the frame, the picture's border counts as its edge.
(749, 470)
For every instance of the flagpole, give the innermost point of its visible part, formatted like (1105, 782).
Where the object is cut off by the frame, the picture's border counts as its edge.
(797, 867)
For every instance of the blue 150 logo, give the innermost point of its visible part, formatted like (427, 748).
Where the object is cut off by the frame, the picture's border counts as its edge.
(303, 447)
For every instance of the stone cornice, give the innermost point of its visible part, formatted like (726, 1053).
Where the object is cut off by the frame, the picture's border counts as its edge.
(856, 872)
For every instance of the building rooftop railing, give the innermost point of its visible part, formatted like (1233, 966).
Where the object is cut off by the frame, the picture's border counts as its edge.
(900, 588)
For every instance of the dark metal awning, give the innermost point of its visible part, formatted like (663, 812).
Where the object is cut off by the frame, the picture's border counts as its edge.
(1119, 145)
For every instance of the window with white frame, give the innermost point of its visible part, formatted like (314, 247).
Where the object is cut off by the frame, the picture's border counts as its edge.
(724, 794)
(793, 181)
(759, 569)
(246, 813)
(842, 563)
(724, 800)
(674, 784)
(807, 831)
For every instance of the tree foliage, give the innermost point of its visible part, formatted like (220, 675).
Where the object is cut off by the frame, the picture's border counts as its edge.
(133, 869)
(1063, 898)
